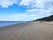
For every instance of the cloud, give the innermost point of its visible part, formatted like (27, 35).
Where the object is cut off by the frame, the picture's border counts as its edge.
(7, 3)
(27, 3)
(37, 3)
(40, 8)
(18, 17)
(36, 9)
(32, 3)
(39, 12)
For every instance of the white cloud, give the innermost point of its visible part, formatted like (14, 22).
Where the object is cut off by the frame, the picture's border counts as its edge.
(7, 3)
(18, 17)
(28, 3)
(31, 3)
(39, 12)
(40, 8)
(37, 3)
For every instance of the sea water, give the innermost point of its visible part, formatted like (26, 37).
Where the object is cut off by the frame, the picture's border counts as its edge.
(5, 23)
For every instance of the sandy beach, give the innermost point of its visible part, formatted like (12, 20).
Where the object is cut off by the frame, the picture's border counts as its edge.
(28, 31)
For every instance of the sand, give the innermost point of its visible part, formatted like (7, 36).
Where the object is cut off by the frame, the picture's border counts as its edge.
(28, 31)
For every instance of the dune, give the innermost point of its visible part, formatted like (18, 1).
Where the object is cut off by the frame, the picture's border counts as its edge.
(28, 31)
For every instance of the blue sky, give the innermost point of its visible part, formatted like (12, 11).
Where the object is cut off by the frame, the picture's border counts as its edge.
(25, 10)
(14, 9)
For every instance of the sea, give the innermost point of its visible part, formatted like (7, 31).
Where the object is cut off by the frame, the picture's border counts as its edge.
(5, 23)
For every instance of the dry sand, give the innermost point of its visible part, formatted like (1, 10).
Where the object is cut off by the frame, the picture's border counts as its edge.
(28, 31)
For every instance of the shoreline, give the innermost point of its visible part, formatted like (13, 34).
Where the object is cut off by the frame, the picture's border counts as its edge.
(28, 31)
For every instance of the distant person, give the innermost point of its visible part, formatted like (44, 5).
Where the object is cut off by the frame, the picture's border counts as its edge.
(40, 21)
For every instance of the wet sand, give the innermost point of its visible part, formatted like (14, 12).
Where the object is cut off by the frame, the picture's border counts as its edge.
(28, 31)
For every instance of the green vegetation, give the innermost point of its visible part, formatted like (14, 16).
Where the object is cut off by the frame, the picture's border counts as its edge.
(50, 18)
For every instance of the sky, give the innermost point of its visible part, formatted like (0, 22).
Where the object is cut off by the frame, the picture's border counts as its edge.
(25, 10)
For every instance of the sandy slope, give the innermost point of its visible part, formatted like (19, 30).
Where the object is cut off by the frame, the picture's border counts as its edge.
(28, 31)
